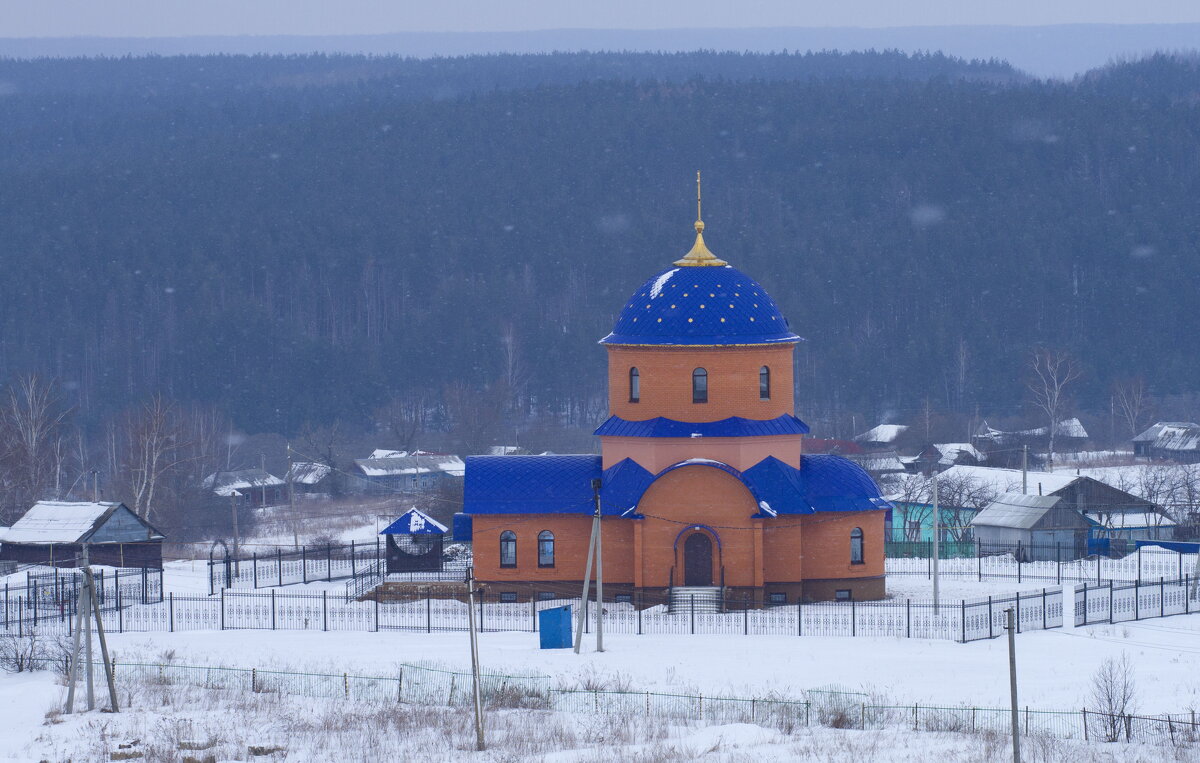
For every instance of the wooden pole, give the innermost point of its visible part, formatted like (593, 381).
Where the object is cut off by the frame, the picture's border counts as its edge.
(477, 700)
(108, 668)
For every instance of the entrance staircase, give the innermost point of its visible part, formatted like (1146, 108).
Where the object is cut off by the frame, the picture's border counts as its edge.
(705, 599)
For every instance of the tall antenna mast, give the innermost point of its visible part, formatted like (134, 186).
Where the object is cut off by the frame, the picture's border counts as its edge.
(698, 215)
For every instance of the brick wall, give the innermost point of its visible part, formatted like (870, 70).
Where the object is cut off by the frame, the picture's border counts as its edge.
(666, 382)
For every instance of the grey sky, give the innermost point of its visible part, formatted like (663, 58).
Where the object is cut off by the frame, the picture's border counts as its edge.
(152, 18)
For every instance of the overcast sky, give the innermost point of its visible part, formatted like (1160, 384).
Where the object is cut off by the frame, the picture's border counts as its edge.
(151, 18)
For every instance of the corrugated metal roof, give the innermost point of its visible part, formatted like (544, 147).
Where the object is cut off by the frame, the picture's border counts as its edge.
(734, 426)
(308, 473)
(229, 482)
(65, 522)
(1015, 510)
(884, 433)
(418, 463)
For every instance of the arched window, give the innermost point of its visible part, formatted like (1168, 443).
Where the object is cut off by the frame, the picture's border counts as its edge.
(545, 549)
(635, 386)
(856, 546)
(508, 549)
(764, 383)
(699, 386)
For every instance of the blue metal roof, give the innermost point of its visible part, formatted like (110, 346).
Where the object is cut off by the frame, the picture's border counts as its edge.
(708, 305)
(415, 522)
(530, 484)
(734, 426)
(562, 485)
(463, 529)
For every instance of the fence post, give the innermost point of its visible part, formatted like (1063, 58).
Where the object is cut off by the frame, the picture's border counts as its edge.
(253, 679)
(1139, 561)
(533, 612)
(325, 611)
(853, 619)
(376, 613)
(120, 614)
(1018, 571)
(1018, 611)
(641, 604)
(1043, 609)
(279, 564)
(1162, 598)
(222, 609)
(1085, 590)
(254, 560)
(746, 615)
(908, 618)
(21, 619)
(692, 609)
(1058, 563)
(991, 634)
(171, 610)
(799, 619)
(1098, 570)
(328, 562)
(272, 609)
(1110, 602)
(303, 563)
(964, 620)
(599, 610)
(429, 612)
(353, 566)
(979, 559)
(1085, 731)
(1137, 595)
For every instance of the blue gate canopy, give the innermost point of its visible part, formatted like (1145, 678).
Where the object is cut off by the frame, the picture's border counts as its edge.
(415, 522)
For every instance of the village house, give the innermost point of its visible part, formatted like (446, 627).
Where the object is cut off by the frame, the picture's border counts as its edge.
(1170, 440)
(252, 487)
(702, 480)
(397, 471)
(311, 478)
(54, 533)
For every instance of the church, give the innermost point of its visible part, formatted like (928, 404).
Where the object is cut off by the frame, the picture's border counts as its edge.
(703, 480)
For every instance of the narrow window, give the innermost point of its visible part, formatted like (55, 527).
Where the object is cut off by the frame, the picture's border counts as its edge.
(635, 386)
(699, 386)
(508, 549)
(508, 597)
(843, 594)
(764, 383)
(546, 595)
(856, 546)
(624, 598)
(778, 598)
(545, 549)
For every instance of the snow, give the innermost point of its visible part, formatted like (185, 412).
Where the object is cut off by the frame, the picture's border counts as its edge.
(1131, 519)
(951, 450)
(766, 507)
(660, 282)
(56, 522)
(1009, 480)
(884, 433)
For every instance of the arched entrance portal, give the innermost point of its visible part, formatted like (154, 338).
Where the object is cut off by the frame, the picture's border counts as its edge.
(698, 560)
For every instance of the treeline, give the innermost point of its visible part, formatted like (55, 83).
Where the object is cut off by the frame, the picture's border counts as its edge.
(297, 241)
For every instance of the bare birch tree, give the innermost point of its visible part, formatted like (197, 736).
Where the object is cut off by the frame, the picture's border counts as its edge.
(1053, 372)
(153, 444)
(29, 427)
(1133, 403)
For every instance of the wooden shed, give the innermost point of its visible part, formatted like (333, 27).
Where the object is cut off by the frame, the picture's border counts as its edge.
(1040, 526)
(54, 532)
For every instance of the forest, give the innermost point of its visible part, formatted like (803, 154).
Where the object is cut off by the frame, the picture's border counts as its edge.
(391, 246)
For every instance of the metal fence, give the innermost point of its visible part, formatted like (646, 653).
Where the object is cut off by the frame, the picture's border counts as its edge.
(963, 620)
(832, 707)
(1115, 602)
(994, 561)
(52, 599)
(310, 564)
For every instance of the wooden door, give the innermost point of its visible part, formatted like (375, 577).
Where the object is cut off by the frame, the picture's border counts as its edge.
(697, 560)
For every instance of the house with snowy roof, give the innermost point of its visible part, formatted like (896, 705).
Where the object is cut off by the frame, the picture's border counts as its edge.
(881, 437)
(254, 487)
(1172, 440)
(702, 481)
(55, 532)
(398, 471)
(311, 478)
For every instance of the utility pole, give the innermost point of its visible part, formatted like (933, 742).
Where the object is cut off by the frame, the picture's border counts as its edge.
(587, 572)
(89, 607)
(1025, 469)
(1012, 685)
(599, 570)
(291, 485)
(937, 537)
(233, 512)
(95, 486)
(479, 743)
(108, 667)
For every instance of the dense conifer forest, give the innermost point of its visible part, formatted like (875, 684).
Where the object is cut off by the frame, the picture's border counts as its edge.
(297, 241)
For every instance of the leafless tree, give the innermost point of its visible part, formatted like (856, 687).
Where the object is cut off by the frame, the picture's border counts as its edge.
(1053, 372)
(153, 443)
(1114, 693)
(30, 424)
(406, 418)
(959, 497)
(1133, 403)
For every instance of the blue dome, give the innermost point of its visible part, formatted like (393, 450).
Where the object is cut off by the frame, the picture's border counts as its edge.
(700, 305)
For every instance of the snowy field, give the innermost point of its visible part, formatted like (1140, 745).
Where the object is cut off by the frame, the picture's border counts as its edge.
(1055, 671)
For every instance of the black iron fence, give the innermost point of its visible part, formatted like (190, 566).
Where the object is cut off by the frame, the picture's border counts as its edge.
(958, 620)
(1115, 602)
(51, 599)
